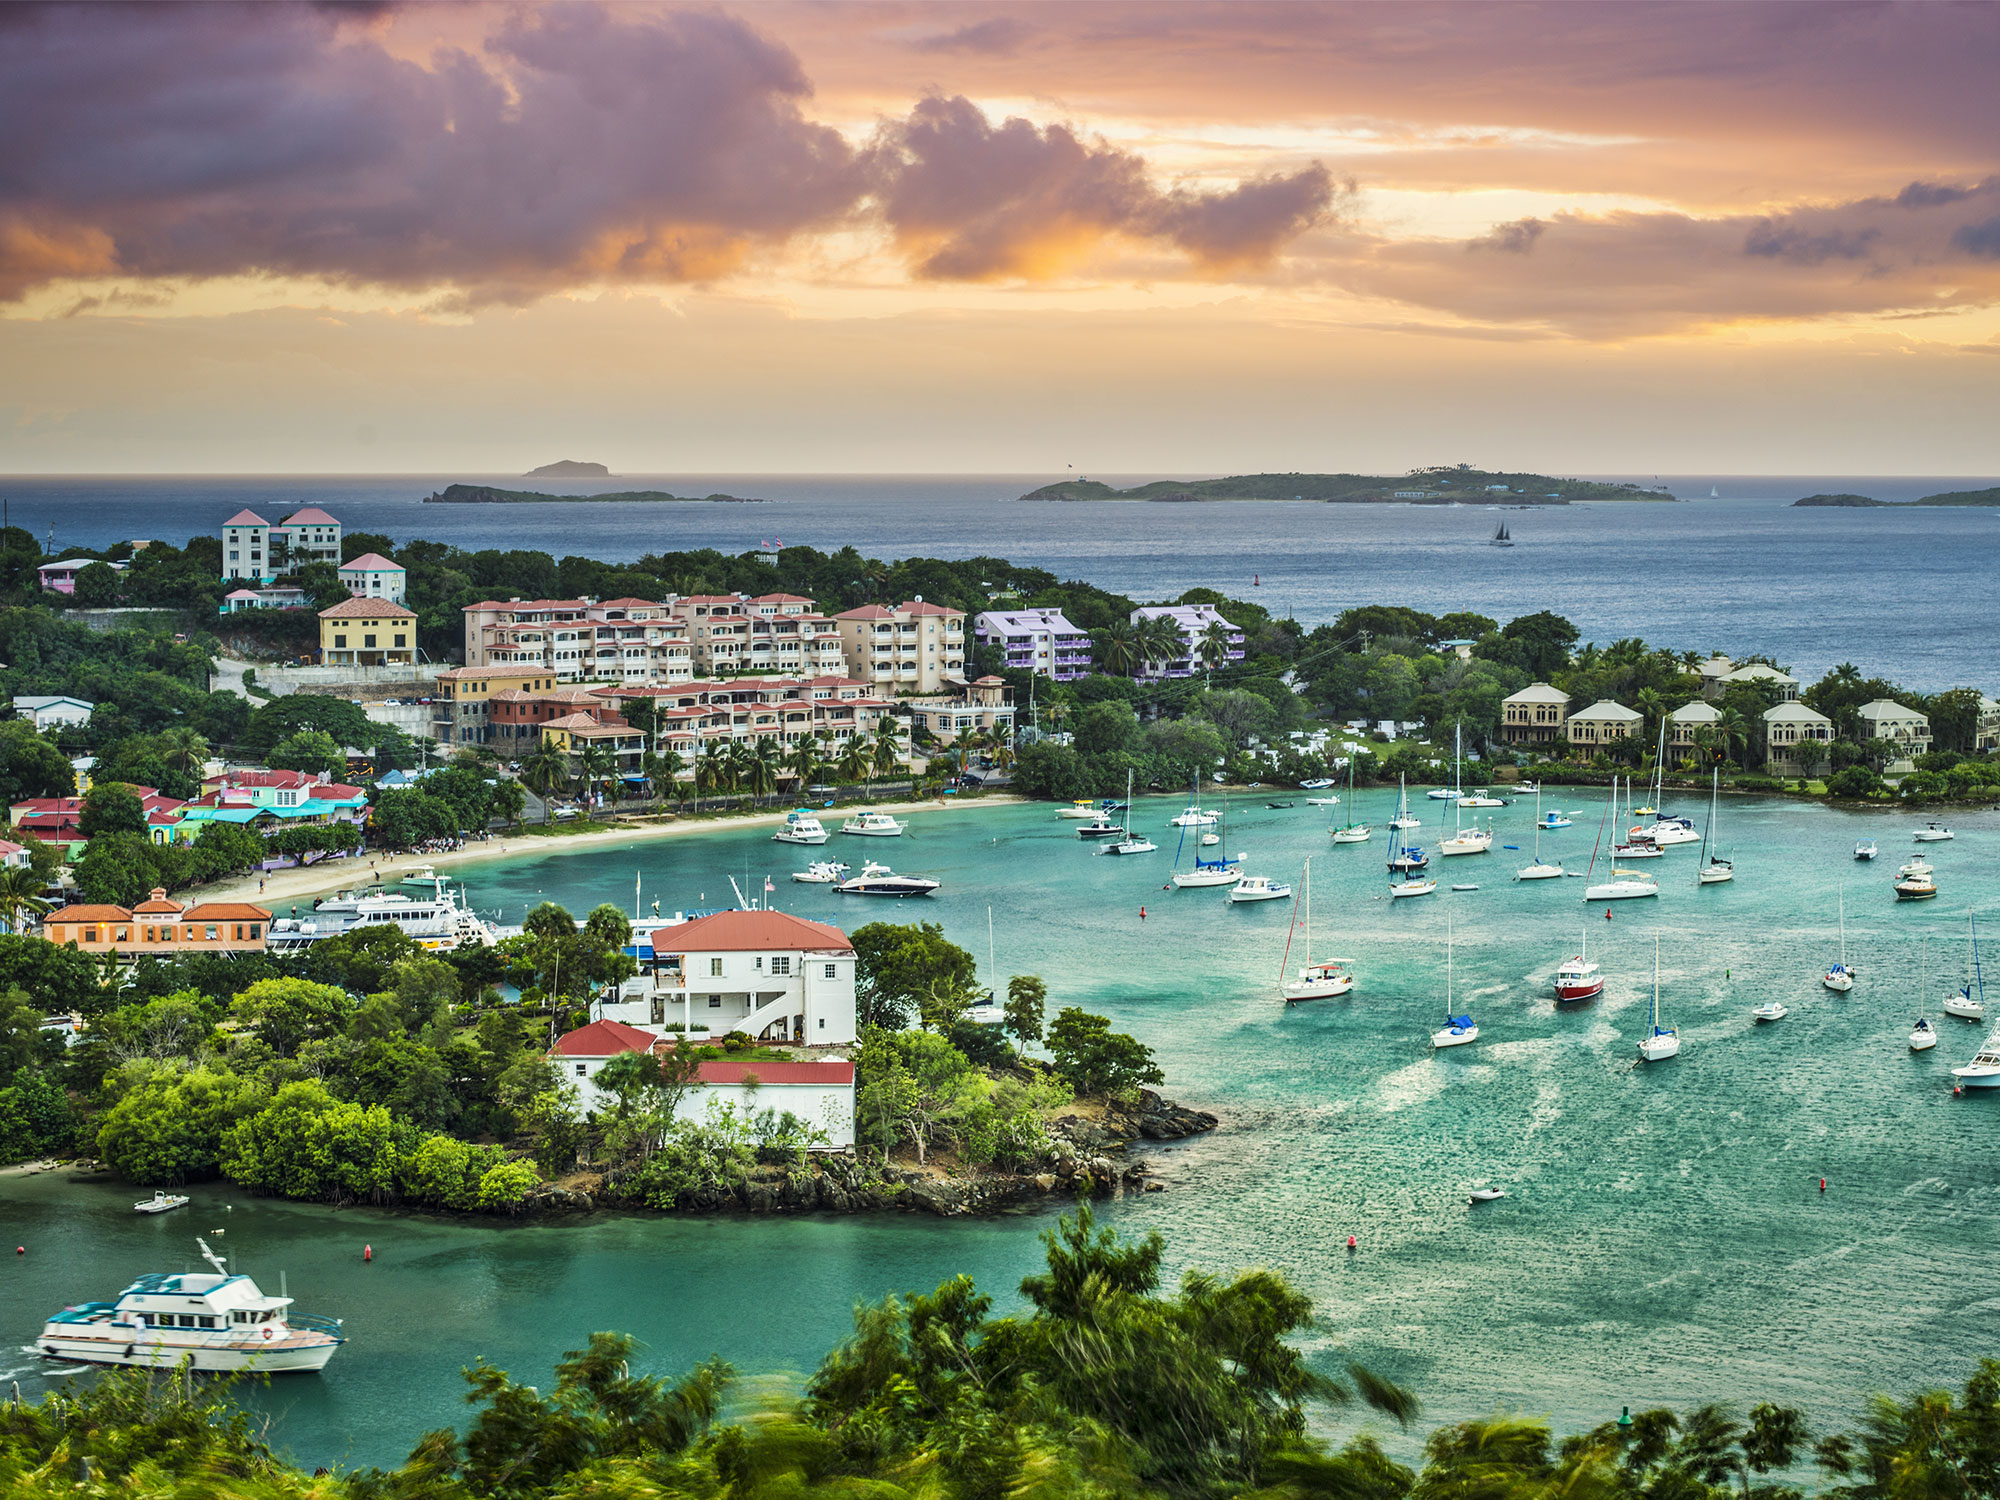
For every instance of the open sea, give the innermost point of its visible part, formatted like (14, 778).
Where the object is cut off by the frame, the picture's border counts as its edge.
(1666, 1238)
(1907, 595)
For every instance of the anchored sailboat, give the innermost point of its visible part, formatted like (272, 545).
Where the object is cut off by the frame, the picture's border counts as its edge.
(1714, 868)
(1457, 1030)
(1660, 1042)
(1840, 978)
(1537, 870)
(1315, 981)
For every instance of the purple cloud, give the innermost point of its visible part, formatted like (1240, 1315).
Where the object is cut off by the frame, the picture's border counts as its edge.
(1001, 36)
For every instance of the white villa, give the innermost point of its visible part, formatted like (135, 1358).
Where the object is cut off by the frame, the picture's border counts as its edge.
(1687, 721)
(1787, 725)
(1603, 723)
(770, 975)
(373, 576)
(1905, 728)
(820, 1092)
(1036, 640)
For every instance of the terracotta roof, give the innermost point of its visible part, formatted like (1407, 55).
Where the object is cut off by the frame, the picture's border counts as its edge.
(89, 914)
(916, 608)
(312, 515)
(158, 903)
(373, 561)
(572, 721)
(604, 1039)
(356, 609)
(628, 603)
(833, 1072)
(746, 931)
(866, 612)
(781, 599)
(226, 911)
(246, 518)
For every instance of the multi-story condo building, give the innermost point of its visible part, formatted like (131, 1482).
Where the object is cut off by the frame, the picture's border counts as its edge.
(580, 640)
(905, 648)
(1194, 621)
(255, 550)
(1535, 716)
(373, 576)
(733, 633)
(1041, 641)
(515, 716)
(462, 710)
(368, 633)
(981, 708)
(690, 715)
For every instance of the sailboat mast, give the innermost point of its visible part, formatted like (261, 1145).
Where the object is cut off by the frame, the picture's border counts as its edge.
(1656, 982)
(1448, 1006)
(1309, 911)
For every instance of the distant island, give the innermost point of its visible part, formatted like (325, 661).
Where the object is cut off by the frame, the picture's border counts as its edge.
(1949, 497)
(1454, 485)
(568, 468)
(486, 494)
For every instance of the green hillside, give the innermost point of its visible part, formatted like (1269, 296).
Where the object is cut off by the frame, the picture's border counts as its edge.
(1949, 497)
(1438, 486)
(486, 494)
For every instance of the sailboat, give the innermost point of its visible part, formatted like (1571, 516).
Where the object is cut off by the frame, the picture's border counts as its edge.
(1714, 868)
(1130, 842)
(1501, 538)
(1840, 978)
(1664, 830)
(1634, 845)
(1457, 1030)
(1624, 885)
(1660, 1042)
(1403, 819)
(1537, 870)
(1350, 832)
(1577, 978)
(1316, 981)
(1406, 867)
(1462, 840)
(1964, 1004)
(1923, 1036)
(1206, 872)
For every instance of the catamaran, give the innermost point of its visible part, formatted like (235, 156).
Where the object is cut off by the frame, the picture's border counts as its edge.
(1839, 978)
(215, 1321)
(1714, 868)
(1536, 869)
(1323, 979)
(1457, 1029)
(1660, 1042)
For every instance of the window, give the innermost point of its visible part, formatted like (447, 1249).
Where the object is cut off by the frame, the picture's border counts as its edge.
(582, 1070)
(368, 640)
(256, 930)
(400, 640)
(715, 968)
(340, 640)
(781, 964)
(211, 932)
(715, 1002)
(832, 971)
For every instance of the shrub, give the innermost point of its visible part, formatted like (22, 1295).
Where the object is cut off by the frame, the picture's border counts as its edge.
(505, 1187)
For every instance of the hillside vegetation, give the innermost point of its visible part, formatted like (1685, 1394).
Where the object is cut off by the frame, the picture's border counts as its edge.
(486, 494)
(1435, 486)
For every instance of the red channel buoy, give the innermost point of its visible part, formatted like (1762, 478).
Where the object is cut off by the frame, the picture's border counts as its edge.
(367, 1253)
(1351, 1242)
(1822, 1184)
(20, 1249)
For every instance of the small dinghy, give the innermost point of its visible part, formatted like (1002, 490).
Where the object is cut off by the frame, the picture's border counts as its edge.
(1465, 887)
(161, 1202)
(1770, 1011)
(1486, 1195)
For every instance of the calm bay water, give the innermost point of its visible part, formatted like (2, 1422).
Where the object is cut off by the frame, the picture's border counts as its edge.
(1901, 593)
(1665, 1241)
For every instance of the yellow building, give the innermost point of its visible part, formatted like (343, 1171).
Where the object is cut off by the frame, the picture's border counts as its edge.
(368, 633)
(462, 714)
(908, 648)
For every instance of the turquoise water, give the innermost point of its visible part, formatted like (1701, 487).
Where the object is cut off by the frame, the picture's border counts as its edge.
(1665, 1239)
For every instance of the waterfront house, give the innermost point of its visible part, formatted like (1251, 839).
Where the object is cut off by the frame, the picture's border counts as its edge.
(770, 975)
(1719, 674)
(161, 926)
(572, 733)
(982, 707)
(1986, 734)
(58, 820)
(819, 1092)
(269, 596)
(906, 648)
(373, 576)
(462, 710)
(1537, 715)
(246, 549)
(1685, 724)
(579, 640)
(267, 799)
(368, 633)
(14, 856)
(46, 712)
(1603, 723)
(1788, 725)
(1193, 621)
(1042, 641)
(1905, 728)
(306, 536)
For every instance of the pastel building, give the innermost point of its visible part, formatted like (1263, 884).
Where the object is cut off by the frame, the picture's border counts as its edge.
(1042, 641)
(270, 596)
(60, 577)
(904, 648)
(1789, 725)
(1194, 622)
(263, 800)
(771, 633)
(463, 710)
(1603, 723)
(246, 549)
(1536, 715)
(580, 640)
(254, 551)
(1905, 728)
(770, 975)
(307, 536)
(1686, 723)
(368, 633)
(981, 708)
(46, 711)
(373, 576)
(819, 1092)
(689, 715)
(159, 925)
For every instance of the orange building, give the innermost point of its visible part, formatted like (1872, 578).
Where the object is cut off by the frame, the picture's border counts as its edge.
(162, 926)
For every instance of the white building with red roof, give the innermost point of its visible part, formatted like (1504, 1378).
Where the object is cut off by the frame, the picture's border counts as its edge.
(819, 1092)
(579, 640)
(373, 576)
(307, 536)
(246, 549)
(768, 974)
(905, 648)
(689, 715)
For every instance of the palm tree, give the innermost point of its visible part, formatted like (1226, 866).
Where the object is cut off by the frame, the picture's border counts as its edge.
(766, 760)
(1161, 641)
(545, 773)
(186, 751)
(853, 761)
(1652, 705)
(804, 762)
(20, 896)
(1119, 649)
(1213, 648)
(711, 771)
(736, 765)
(888, 752)
(596, 768)
(1732, 731)
(663, 770)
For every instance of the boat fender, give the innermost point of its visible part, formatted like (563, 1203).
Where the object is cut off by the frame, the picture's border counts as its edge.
(269, 1333)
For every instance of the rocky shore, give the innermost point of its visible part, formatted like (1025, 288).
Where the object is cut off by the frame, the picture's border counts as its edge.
(1091, 1158)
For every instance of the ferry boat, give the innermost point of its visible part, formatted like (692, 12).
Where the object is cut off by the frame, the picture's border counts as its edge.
(211, 1320)
(437, 917)
(801, 827)
(873, 825)
(880, 880)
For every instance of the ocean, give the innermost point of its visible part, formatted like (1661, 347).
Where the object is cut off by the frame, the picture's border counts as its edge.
(1906, 595)
(1665, 1241)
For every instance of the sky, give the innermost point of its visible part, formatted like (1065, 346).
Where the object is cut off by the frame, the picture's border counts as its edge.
(990, 238)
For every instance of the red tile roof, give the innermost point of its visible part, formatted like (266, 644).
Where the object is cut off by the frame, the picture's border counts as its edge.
(831, 1072)
(916, 608)
(226, 911)
(356, 609)
(89, 914)
(246, 518)
(747, 931)
(629, 603)
(866, 612)
(312, 515)
(604, 1039)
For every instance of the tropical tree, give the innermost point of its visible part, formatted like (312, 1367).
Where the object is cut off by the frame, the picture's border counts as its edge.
(711, 771)
(804, 762)
(545, 773)
(596, 769)
(20, 896)
(663, 770)
(1213, 648)
(852, 763)
(1732, 732)
(1161, 640)
(887, 754)
(1120, 650)
(763, 762)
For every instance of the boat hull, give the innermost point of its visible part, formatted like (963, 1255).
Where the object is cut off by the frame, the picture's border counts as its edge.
(1275, 893)
(1574, 991)
(1298, 994)
(1412, 888)
(801, 838)
(1195, 879)
(1905, 891)
(1456, 1037)
(1539, 872)
(1977, 1078)
(1659, 1048)
(298, 1352)
(1352, 836)
(1620, 890)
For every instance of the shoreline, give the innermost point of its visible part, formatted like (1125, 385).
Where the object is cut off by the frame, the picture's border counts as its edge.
(306, 881)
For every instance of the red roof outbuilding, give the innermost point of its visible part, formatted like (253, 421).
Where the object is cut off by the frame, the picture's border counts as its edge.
(604, 1039)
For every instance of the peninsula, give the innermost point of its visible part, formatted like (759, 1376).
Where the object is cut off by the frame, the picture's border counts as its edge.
(1458, 484)
(568, 468)
(1948, 497)
(486, 494)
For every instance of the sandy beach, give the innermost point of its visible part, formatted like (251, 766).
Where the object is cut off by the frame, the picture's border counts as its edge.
(283, 887)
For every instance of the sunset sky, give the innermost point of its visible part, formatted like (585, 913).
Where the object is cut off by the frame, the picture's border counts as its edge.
(867, 237)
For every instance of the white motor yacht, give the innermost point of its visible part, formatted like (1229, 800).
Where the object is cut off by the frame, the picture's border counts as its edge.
(1260, 888)
(1083, 807)
(873, 825)
(1983, 1072)
(801, 827)
(1770, 1010)
(1405, 823)
(1914, 882)
(1445, 793)
(1933, 833)
(1210, 840)
(211, 1320)
(1865, 849)
(1313, 784)
(880, 880)
(1923, 1036)
(821, 872)
(161, 1202)
(1482, 798)
(1194, 817)
(1665, 832)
